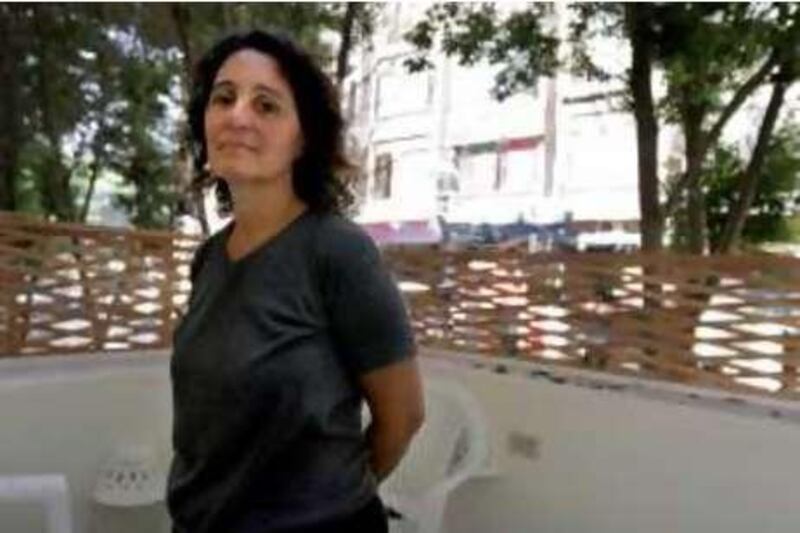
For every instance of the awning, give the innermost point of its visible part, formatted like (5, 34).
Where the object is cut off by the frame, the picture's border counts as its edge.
(404, 232)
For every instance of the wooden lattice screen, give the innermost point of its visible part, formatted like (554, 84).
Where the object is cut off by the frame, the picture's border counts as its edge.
(729, 322)
(69, 287)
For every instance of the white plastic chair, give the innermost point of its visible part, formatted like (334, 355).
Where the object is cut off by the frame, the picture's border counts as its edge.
(451, 447)
(49, 490)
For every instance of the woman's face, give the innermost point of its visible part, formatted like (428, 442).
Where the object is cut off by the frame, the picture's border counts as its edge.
(252, 129)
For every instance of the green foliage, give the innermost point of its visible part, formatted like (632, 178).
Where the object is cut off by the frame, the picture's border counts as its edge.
(713, 57)
(151, 202)
(143, 149)
(520, 42)
(709, 50)
(100, 90)
(705, 50)
(777, 194)
(590, 21)
(793, 225)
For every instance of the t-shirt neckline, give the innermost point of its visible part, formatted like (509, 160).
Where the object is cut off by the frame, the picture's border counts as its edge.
(261, 247)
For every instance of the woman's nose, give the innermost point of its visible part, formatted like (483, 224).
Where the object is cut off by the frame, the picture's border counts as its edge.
(240, 114)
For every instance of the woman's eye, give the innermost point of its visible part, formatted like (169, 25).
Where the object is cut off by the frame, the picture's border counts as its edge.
(266, 106)
(222, 99)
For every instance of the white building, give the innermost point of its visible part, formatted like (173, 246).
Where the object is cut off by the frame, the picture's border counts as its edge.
(437, 144)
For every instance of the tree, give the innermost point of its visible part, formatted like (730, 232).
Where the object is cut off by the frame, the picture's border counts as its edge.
(710, 51)
(713, 56)
(143, 149)
(638, 22)
(356, 21)
(70, 66)
(58, 75)
(777, 193)
(11, 127)
(95, 89)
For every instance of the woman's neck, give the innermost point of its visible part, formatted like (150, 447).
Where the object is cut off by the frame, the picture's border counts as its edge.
(261, 210)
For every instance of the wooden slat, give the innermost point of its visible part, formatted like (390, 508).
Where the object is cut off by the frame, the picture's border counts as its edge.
(615, 309)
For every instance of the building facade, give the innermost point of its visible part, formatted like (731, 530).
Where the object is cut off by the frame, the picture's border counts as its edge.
(437, 146)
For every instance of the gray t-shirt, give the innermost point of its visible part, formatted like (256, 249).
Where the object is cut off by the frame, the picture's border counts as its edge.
(267, 409)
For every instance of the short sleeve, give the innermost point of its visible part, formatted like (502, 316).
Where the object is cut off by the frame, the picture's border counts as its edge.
(366, 314)
(198, 260)
(197, 267)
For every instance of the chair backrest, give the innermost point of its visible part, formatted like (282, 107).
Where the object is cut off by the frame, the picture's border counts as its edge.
(453, 441)
(51, 491)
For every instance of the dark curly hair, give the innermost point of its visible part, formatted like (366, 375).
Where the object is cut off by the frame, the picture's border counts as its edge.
(320, 175)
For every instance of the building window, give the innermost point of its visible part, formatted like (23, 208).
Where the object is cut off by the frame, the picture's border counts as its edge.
(518, 165)
(382, 186)
(478, 172)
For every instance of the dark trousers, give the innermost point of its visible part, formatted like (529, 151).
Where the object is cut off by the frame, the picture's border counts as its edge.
(369, 519)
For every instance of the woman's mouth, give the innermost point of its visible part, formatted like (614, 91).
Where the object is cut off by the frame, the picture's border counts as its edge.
(236, 146)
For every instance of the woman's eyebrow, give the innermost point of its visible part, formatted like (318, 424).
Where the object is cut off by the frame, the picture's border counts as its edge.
(270, 90)
(222, 84)
(259, 86)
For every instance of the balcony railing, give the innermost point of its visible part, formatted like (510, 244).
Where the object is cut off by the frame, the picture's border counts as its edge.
(726, 322)
(69, 287)
(730, 322)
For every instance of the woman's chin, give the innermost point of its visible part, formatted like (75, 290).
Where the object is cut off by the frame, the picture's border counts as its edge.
(239, 176)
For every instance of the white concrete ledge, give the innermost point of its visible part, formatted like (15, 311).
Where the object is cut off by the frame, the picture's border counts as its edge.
(756, 405)
(42, 368)
(39, 369)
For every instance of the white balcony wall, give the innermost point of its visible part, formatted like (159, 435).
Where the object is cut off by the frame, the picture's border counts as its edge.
(607, 461)
(67, 415)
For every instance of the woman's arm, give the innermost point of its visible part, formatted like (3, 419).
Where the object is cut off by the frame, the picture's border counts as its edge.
(395, 399)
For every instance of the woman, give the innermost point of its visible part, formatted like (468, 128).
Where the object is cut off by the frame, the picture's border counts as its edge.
(293, 320)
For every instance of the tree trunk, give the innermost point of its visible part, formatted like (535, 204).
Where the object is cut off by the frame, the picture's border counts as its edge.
(57, 195)
(181, 21)
(748, 183)
(10, 116)
(711, 137)
(696, 209)
(83, 210)
(98, 145)
(697, 220)
(638, 21)
(346, 34)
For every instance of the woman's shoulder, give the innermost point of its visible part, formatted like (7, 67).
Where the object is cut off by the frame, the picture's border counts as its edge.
(213, 240)
(340, 238)
(204, 250)
(336, 229)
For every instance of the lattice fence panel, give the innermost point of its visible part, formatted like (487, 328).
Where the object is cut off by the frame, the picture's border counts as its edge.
(69, 287)
(731, 322)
